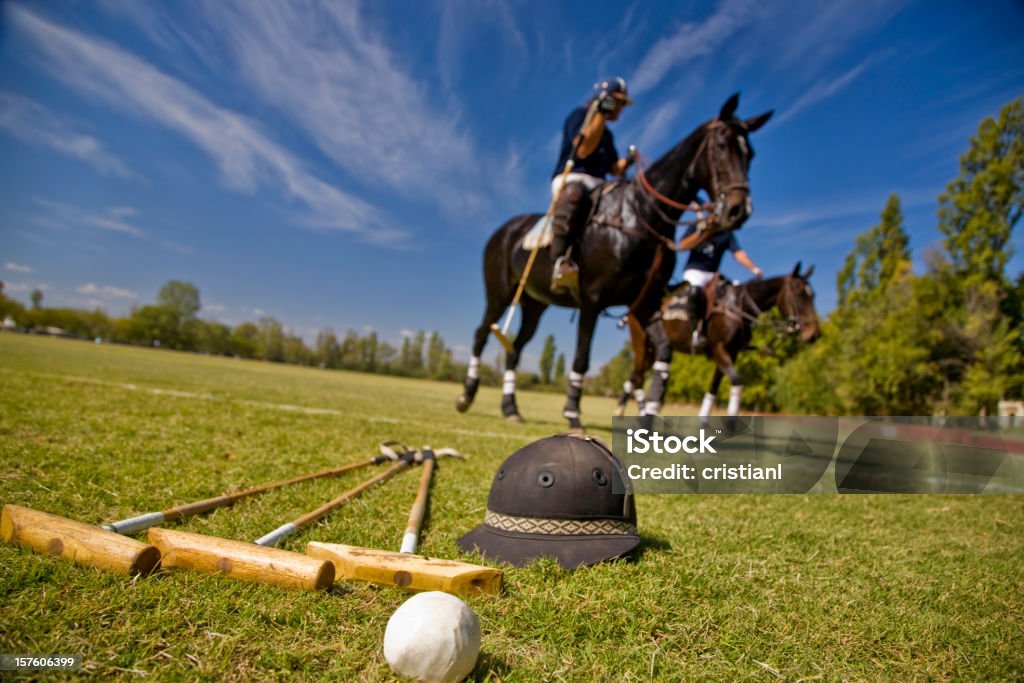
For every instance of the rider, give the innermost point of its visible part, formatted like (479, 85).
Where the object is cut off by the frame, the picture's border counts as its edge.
(701, 266)
(592, 150)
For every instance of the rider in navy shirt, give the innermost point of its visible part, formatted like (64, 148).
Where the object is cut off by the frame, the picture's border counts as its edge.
(591, 146)
(701, 266)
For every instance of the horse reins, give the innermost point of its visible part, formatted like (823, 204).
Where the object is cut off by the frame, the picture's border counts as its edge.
(715, 208)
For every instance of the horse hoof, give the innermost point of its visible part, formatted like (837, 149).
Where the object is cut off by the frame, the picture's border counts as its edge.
(515, 418)
(462, 403)
(575, 426)
(619, 411)
(577, 431)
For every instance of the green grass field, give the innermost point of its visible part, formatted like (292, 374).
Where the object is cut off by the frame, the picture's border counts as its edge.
(724, 587)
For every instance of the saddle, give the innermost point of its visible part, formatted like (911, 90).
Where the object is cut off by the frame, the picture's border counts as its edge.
(608, 206)
(718, 296)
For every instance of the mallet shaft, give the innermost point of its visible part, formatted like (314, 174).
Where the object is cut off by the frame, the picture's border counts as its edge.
(286, 530)
(419, 507)
(136, 524)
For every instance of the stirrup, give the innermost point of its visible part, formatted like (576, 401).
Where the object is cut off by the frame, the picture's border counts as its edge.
(564, 276)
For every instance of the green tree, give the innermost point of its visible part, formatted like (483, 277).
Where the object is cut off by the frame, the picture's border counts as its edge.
(435, 351)
(547, 359)
(37, 299)
(181, 297)
(328, 354)
(245, 340)
(270, 344)
(560, 368)
(879, 255)
(979, 209)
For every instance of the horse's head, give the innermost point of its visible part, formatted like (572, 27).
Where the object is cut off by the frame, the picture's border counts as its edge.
(722, 167)
(796, 302)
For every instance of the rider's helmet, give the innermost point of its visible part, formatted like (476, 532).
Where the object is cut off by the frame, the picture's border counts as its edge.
(615, 87)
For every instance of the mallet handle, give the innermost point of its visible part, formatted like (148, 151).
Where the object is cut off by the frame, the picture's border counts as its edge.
(286, 530)
(136, 524)
(81, 543)
(239, 560)
(412, 530)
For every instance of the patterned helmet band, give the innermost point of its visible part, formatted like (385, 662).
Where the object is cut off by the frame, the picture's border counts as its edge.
(558, 527)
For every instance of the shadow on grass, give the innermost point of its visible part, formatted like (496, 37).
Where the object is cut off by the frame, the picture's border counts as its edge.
(490, 667)
(649, 543)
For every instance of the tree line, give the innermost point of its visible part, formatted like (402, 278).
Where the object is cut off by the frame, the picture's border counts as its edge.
(172, 322)
(947, 341)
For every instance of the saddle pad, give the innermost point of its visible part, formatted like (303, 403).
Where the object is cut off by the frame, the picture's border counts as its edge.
(538, 235)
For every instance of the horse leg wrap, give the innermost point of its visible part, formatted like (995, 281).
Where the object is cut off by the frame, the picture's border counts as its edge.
(572, 398)
(659, 383)
(463, 403)
(735, 392)
(706, 405)
(508, 405)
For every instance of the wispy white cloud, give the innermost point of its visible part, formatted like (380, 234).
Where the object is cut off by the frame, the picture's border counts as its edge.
(822, 90)
(692, 40)
(214, 308)
(92, 289)
(788, 224)
(253, 311)
(17, 267)
(33, 123)
(23, 287)
(246, 157)
(407, 333)
(327, 71)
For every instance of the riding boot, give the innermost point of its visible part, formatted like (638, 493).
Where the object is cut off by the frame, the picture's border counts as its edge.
(565, 274)
(693, 312)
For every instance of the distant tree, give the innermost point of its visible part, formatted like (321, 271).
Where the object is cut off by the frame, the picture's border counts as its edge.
(371, 351)
(181, 297)
(547, 359)
(351, 357)
(416, 362)
(37, 299)
(388, 356)
(270, 345)
(295, 350)
(879, 255)
(560, 368)
(245, 340)
(435, 350)
(979, 209)
(212, 337)
(328, 353)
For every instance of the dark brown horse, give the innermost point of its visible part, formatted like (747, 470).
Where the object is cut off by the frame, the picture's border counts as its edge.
(624, 252)
(729, 327)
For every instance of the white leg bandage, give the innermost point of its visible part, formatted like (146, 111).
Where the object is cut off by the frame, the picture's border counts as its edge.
(575, 379)
(509, 384)
(706, 405)
(474, 368)
(627, 387)
(734, 400)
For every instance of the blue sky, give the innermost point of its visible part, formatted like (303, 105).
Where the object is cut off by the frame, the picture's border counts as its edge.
(343, 164)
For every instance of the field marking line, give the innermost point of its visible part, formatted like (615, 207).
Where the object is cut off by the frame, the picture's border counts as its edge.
(286, 407)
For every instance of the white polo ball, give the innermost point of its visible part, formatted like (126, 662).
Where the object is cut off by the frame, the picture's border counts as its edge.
(433, 637)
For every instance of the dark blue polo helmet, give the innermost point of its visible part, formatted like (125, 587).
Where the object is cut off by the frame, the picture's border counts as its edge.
(616, 87)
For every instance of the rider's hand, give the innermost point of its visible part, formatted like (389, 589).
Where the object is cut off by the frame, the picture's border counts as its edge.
(606, 104)
(758, 272)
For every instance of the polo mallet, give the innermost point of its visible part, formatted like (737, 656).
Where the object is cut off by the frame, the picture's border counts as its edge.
(142, 522)
(411, 538)
(501, 333)
(260, 561)
(105, 548)
(404, 569)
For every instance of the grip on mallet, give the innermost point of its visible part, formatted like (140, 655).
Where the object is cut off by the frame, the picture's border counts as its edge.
(239, 560)
(80, 543)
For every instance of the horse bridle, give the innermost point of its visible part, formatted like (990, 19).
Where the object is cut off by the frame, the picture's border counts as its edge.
(715, 208)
